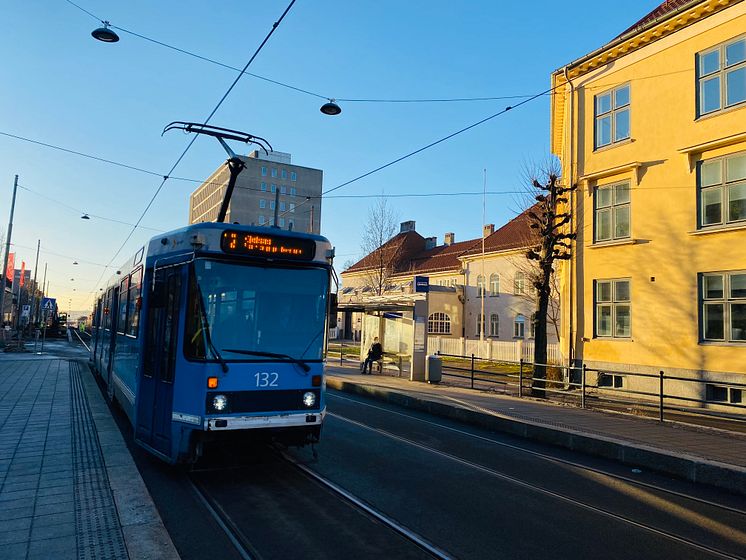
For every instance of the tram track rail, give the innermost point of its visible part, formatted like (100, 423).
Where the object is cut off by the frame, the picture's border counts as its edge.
(550, 458)
(710, 550)
(80, 338)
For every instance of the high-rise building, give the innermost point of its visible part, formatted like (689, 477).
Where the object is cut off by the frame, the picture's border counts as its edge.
(269, 186)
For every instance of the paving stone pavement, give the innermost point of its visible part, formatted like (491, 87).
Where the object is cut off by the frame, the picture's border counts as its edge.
(56, 497)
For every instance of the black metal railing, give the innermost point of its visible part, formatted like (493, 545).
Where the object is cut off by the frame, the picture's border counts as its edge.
(574, 385)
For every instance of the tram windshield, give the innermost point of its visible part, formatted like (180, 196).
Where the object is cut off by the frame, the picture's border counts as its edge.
(241, 312)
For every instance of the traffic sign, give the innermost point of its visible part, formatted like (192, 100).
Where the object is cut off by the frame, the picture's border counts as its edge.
(48, 304)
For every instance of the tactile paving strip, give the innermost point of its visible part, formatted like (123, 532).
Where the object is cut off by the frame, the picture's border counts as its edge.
(98, 533)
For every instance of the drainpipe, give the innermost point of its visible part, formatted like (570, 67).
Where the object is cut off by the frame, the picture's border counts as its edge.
(571, 150)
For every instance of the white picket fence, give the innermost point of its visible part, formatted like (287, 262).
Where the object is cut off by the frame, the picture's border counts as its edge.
(497, 350)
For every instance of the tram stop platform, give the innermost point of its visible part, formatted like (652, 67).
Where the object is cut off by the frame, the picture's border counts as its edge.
(69, 488)
(695, 453)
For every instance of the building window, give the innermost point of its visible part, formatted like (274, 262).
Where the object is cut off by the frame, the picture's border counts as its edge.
(282, 222)
(519, 326)
(610, 380)
(722, 190)
(612, 116)
(261, 220)
(293, 191)
(274, 172)
(284, 174)
(612, 212)
(494, 284)
(723, 313)
(438, 323)
(271, 204)
(519, 283)
(264, 186)
(724, 394)
(282, 206)
(273, 188)
(293, 176)
(721, 77)
(480, 325)
(494, 325)
(283, 189)
(271, 221)
(480, 286)
(292, 206)
(264, 171)
(262, 203)
(613, 309)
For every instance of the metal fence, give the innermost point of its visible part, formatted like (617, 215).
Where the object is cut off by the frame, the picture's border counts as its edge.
(658, 395)
(497, 350)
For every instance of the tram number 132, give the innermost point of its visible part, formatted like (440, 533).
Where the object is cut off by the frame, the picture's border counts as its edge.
(266, 378)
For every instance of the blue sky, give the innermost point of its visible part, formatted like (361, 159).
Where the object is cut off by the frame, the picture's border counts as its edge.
(112, 100)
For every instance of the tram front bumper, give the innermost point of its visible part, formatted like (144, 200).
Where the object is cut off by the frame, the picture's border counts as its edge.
(290, 420)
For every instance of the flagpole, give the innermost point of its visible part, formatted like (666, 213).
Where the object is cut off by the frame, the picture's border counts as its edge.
(7, 252)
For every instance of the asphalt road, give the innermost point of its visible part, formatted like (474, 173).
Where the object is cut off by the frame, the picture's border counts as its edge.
(465, 492)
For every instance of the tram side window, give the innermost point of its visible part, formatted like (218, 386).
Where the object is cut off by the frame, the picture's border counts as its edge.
(122, 312)
(133, 311)
(108, 310)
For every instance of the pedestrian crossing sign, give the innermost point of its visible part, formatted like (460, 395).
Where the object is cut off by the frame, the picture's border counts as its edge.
(48, 304)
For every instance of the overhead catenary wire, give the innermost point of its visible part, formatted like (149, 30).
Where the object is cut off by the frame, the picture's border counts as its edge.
(296, 88)
(275, 25)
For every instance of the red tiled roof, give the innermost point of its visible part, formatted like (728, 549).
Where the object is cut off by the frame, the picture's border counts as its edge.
(513, 235)
(412, 257)
(666, 7)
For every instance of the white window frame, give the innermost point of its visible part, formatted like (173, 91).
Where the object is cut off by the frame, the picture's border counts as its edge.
(494, 284)
(519, 326)
(264, 171)
(480, 286)
(284, 173)
(264, 186)
(721, 74)
(293, 176)
(283, 189)
(273, 188)
(519, 283)
(612, 208)
(495, 325)
(293, 191)
(274, 172)
(262, 203)
(724, 188)
(439, 323)
(726, 301)
(613, 302)
(480, 324)
(613, 113)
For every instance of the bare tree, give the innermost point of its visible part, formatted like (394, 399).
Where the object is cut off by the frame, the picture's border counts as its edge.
(549, 219)
(381, 258)
(532, 273)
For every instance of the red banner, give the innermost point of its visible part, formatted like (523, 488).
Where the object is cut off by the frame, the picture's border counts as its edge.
(11, 267)
(23, 272)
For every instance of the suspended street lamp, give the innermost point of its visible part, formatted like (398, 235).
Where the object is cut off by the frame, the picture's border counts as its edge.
(105, 34)
(331, 108)
(85, 217)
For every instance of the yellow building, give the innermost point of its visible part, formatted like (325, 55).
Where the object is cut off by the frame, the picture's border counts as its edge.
(652, 129)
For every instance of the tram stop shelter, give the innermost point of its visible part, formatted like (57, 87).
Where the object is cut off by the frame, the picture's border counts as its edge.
(400, 323)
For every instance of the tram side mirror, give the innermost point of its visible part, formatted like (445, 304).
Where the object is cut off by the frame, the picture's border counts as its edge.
(333, 306)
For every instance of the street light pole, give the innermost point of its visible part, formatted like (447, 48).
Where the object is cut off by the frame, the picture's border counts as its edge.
(32, 315)
(7, 250)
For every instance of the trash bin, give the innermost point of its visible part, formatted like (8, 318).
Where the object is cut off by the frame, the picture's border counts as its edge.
(433, 369)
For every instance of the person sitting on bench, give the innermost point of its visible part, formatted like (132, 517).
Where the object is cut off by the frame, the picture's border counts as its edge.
(374, 354)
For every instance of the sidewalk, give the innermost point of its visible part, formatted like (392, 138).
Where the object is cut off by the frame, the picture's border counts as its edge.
(68, 486)
(699, 455)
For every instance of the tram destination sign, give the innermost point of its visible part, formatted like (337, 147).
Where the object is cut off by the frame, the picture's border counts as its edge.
(267, 245)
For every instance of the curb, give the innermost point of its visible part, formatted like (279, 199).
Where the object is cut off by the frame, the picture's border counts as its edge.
(688, 467)
(145, 535)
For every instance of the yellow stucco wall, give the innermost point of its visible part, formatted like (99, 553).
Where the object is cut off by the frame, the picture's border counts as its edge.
(665, 243)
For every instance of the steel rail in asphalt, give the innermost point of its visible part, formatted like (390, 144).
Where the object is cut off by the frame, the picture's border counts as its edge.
(552, 459)
(231, 530)
(80, 338)
(545, 491)
(397, 527)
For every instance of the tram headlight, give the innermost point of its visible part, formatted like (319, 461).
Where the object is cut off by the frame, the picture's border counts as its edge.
(219, 403)
(309, 399)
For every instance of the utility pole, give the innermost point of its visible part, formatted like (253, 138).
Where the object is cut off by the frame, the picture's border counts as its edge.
(7, 251)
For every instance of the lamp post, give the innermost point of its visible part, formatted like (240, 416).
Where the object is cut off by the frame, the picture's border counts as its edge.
(7, 250)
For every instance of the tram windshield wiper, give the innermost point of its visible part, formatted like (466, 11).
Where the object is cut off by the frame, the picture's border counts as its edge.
(301, 363)
(205, 323)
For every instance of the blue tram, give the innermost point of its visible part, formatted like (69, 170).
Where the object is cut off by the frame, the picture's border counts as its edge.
(218, 332)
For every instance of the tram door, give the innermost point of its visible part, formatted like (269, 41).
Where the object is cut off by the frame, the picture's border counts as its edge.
(155, 399)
